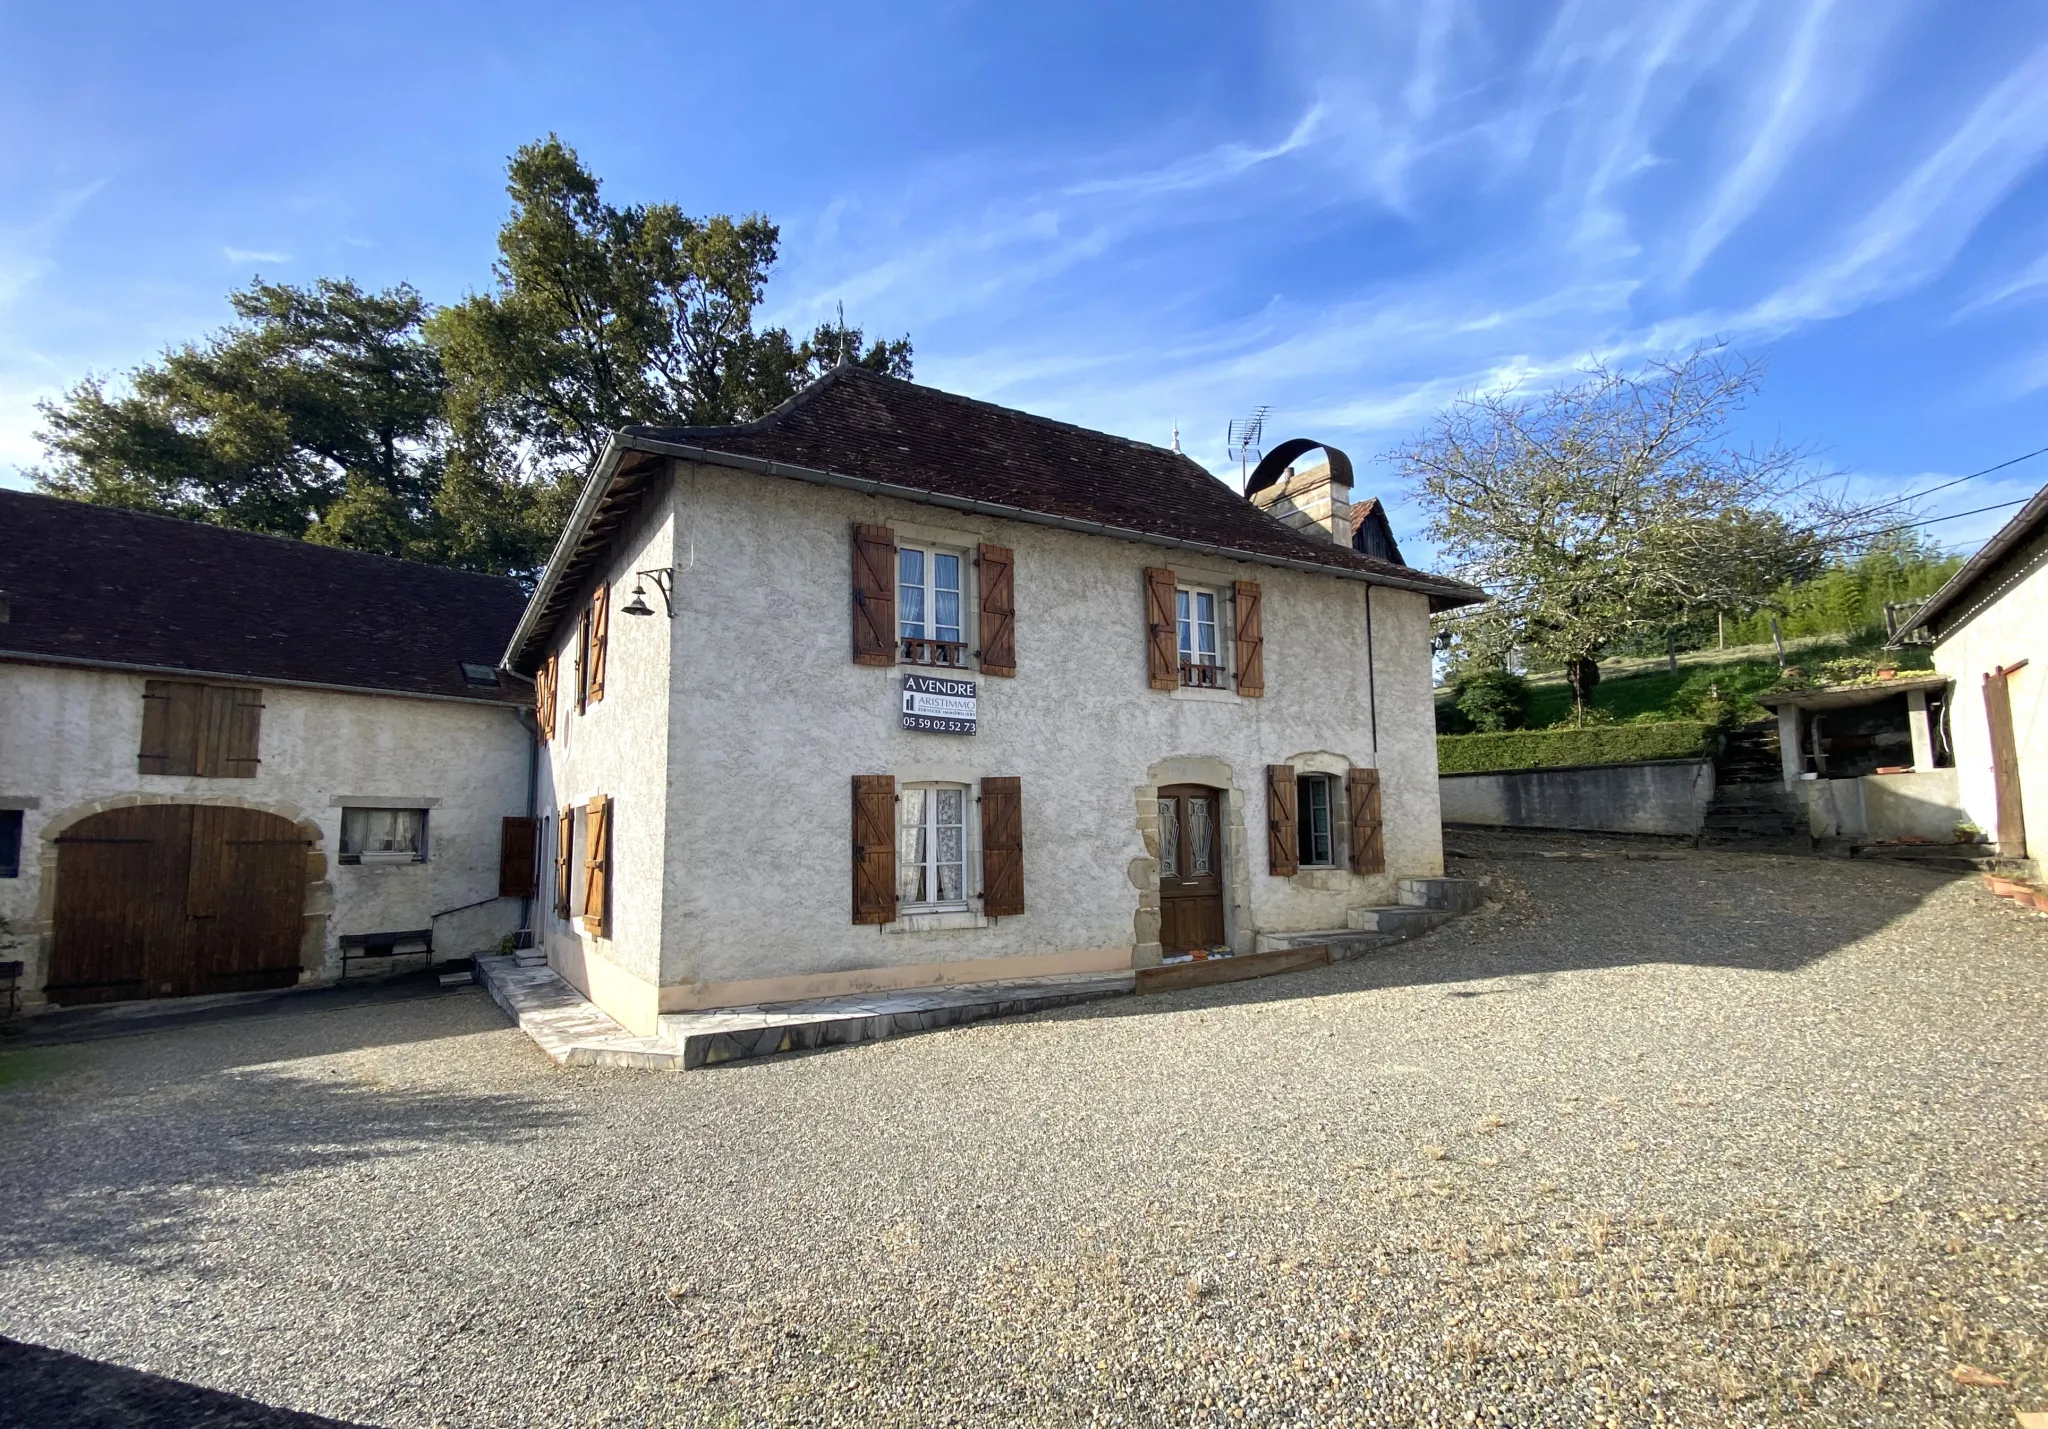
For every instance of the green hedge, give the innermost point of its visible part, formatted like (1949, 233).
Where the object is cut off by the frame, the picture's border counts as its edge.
(1556, 748)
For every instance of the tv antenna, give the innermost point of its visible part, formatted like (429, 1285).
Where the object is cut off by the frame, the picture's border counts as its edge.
(1243, 436)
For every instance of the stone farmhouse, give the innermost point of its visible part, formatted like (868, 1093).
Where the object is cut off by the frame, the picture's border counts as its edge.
(890, 689)
(896, 689)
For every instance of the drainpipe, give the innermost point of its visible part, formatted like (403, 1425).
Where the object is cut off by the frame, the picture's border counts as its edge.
(531, 724)
(1372, 680)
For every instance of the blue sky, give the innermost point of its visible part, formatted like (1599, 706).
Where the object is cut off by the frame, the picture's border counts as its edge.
(1124, 216)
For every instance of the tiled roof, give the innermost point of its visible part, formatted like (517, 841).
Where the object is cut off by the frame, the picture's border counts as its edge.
(862, 424)
(856, 427)
(94, 585)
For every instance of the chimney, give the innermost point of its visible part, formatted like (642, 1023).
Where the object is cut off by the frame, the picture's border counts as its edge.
(1311, 502)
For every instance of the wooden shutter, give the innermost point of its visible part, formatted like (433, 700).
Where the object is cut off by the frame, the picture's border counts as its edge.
(600, 628)
(1002, 848)
(874, 595)
(565, 844)
(1368, 845)
(583, 660)
(544, 696)
(996, 567)
(1283, 827)
(597, 867)
(874, 848)
(1162, 638)
(231, 732)
(1251, 640)
(170, 727)
(517, 856)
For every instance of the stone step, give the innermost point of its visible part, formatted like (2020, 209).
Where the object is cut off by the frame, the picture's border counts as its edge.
(1449, 895)
(1399, 920)
(1343, 943)
(704, 1039)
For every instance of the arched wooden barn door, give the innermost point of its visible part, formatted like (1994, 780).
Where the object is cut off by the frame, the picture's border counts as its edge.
(172, 900)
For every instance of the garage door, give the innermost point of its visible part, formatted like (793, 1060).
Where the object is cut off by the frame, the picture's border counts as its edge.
(172, 900)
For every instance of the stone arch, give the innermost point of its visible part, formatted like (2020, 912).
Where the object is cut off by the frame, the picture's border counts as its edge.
(319, 904)
(1143, 871)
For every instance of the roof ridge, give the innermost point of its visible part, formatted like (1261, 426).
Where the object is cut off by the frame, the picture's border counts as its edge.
(241, 531)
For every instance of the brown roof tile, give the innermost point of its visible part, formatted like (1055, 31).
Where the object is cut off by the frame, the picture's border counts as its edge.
(96, 585)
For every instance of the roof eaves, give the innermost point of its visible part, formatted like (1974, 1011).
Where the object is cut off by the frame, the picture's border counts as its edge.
(1989, 554)
(87, 662)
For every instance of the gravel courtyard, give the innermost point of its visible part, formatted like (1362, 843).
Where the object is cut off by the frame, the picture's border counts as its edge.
(1706, 1139)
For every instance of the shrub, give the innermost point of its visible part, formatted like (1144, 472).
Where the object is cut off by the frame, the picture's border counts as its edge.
(1564, 748)
(1492, 700)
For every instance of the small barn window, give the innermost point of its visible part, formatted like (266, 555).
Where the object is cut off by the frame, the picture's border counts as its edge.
(1317, 826)
(383, 835)
(10, 843)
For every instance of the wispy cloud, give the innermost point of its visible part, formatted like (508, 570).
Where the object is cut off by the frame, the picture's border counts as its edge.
(243, 256)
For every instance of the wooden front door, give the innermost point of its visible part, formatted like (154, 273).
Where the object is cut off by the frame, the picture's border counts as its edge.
(2005, 763)
(1190, 868)
(171, 900)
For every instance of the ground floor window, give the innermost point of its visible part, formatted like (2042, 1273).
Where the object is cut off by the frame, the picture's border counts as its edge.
(10, 843)
(1316, 829)
(383, 835)
(932, 853)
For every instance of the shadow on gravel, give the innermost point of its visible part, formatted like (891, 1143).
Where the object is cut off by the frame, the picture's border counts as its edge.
(1746, 914)
(133, 1173)
(52, 1389)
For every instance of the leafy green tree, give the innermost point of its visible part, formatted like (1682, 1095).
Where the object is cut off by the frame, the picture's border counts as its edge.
(1614, 506)
(317, 413)
(1492, 699)
(605, 316)
(371, 420)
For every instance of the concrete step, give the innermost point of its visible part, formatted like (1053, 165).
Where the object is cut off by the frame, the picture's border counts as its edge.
(704, 1039)
(1399, 920)
(1449, 895)
(1343, 943)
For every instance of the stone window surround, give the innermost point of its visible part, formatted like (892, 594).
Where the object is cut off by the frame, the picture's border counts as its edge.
(1335, 877)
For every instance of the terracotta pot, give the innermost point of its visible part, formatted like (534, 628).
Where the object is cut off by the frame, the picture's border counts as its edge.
(2004, 887)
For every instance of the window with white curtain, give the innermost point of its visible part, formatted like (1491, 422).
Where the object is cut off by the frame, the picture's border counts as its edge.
(383, 835)
(1201, 647)
(928, 608)
(931, 859)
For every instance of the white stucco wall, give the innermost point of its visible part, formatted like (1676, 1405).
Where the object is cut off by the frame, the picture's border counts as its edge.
(616, 747)
(2010, 626)
(68, 745)
(769, 719)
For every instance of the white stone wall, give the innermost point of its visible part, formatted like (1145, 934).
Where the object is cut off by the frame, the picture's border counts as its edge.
(617, 747)
(768, 720)
(2011, 629)
(68, 745)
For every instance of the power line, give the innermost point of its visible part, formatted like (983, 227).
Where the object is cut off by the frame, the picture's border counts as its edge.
(1915, 496)
(1931, 521)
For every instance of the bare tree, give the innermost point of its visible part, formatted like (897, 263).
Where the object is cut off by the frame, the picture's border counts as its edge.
(1616, 505)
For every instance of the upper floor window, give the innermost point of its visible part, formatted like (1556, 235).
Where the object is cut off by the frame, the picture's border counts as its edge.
(1317, 829)
(928, 608)
(208, 731)
(1201, 660)
(932, 853)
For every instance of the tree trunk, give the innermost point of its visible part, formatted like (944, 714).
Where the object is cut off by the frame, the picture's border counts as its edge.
(1582, 673)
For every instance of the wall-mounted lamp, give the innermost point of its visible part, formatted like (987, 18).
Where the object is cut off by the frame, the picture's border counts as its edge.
(663, 578)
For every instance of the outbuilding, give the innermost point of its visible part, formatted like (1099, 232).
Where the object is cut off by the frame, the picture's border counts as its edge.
(1988, 624)
(896, 689)
(232, 761)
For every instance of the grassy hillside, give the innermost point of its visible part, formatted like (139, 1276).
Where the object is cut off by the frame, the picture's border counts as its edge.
(1646, 690)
